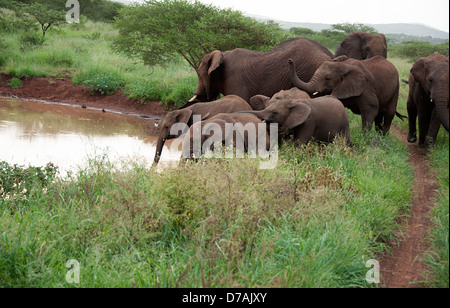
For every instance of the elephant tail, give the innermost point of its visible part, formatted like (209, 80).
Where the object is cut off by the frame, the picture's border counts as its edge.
(405, 81)
(400, 116)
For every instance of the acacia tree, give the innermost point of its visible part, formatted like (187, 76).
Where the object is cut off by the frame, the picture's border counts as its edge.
(157, 30)
(44, 15)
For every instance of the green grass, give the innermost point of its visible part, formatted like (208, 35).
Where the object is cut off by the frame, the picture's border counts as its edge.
(438, 255)
(83, 52)
(312, 222)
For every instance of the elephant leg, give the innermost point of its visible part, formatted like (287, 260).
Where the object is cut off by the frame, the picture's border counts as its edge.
(304, 133)
(379, 123)
(433, 130)
(369, 111)
(412, 118)
(424, 115)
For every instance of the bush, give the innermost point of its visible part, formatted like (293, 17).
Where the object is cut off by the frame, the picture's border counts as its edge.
(103, 83)
(17, 181)
(412, 50)
(30, 40)
(15, 83)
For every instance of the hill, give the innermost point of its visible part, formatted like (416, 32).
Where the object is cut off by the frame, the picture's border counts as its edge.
(398, 31)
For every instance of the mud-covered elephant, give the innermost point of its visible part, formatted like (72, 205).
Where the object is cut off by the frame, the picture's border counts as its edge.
(367, 87)
(320, 119)
(361, 45)
(227, 104)
(260, 102)
(244, 132)
(428, 98)
(247, 73)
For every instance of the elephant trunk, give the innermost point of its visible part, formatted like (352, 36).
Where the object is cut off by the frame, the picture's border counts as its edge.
(159, 147)
(442, 110)
(307, 87)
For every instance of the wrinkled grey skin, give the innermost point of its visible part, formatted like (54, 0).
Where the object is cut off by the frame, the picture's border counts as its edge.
(248, 73)
(428, 98)
(226, 104)
(367, 87)
(361, 45)
(260, 102)
(239, 135)
(320, 119)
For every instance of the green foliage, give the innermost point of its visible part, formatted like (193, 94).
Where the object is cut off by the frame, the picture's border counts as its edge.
(44, 15)
(15, 83)
(19, 182)
(158, 30)
(298, 31)
(348, 28)
(103, 83)
(30, 40)
(412, 50)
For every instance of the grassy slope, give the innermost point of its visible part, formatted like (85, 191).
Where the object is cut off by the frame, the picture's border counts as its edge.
(312, 222)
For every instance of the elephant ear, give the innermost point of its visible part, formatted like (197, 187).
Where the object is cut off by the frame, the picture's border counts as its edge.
(258, 102)
(299, 113)
(419, 72)
(352, 84)
(350, 46)
(183, 116)
(214, 60)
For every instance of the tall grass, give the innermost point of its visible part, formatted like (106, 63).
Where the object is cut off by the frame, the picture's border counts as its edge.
(312, 222)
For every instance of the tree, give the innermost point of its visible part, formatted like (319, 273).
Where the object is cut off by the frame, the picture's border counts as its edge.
(157, 30)
(45, 15)
(348, 28)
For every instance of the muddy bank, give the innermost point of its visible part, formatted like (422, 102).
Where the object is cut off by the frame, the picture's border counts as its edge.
(59, 89)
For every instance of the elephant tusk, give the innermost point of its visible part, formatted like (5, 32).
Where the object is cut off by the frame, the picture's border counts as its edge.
(315, 93)
(431, 100)
(192, 99)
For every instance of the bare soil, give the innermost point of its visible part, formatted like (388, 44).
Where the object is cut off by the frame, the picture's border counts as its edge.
(404, 267)
(58, 89)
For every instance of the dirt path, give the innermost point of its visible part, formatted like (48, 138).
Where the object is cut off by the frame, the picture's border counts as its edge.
(404, 267)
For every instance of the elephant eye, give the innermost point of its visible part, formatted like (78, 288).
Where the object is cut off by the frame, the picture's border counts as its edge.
(430, 79)
(327, 78)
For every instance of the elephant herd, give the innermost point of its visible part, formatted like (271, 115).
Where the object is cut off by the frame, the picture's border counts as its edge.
(303, 88)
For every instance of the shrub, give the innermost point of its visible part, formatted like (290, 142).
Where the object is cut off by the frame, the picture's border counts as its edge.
(30, 40)
(103, 83)
(15, 83)
(412, 50)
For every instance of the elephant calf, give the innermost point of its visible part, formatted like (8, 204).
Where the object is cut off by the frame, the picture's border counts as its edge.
(320, 119)
(185, 117)
(260, 102)
(245, 132)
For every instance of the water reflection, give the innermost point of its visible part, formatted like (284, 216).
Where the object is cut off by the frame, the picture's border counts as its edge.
(35, 133)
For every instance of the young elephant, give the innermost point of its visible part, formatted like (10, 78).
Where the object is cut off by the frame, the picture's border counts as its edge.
(321, 119)
(243, 131)
(367, 87)
(260, 102)
(227, 104)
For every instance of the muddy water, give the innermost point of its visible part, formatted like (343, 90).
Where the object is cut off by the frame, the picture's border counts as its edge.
(36, 133)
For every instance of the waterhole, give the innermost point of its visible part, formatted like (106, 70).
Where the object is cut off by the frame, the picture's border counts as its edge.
(37, 133)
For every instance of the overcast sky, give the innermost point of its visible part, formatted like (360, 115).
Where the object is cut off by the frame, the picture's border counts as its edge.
(434, 13)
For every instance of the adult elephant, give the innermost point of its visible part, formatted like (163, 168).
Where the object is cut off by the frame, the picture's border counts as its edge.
(320, 119)
(428, 98)
(361, 45)
(367, 87)
(247, 73)
(227, 104)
